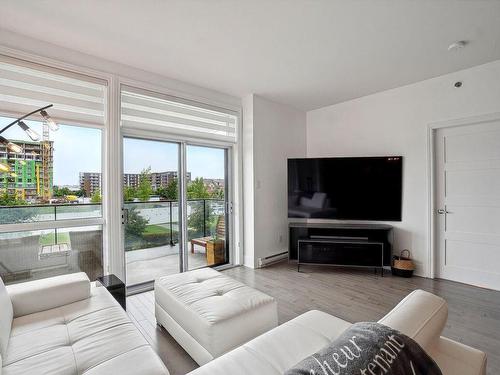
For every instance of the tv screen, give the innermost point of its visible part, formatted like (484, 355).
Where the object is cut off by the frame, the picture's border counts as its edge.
(361, 188)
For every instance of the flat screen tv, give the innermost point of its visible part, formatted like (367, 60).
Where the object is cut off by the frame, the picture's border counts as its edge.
(361, 188)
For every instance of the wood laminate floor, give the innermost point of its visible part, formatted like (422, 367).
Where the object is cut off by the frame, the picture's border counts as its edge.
(353, 295)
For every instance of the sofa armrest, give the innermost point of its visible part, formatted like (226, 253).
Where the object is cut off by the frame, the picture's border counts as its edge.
(420, 315)
(45, 294)
(456, 358)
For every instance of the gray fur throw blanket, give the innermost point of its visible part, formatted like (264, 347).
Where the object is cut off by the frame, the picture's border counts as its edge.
(368, 349)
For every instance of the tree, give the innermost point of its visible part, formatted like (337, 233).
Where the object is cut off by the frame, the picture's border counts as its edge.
(7, 199)
(80, 193)
(61, 192)
(144, 190)
(170, 191)
(136, 224)
(196, 220)
(217, 192)
(129, 193)
(96, 197)
(197, 189)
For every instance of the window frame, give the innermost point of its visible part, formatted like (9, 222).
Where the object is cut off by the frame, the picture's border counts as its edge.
(104, 220)
(111, 157)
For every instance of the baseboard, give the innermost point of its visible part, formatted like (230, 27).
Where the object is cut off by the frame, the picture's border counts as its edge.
(272, 259)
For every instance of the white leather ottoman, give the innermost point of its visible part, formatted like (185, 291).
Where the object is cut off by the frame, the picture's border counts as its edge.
(210, 314)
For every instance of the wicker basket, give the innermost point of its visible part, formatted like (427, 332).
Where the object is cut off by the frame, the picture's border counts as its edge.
(402, 265)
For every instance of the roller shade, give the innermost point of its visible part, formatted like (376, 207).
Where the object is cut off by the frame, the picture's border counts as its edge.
(26, 86)
(144, 110)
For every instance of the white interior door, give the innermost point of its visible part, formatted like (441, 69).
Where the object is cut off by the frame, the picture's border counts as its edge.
(467, 160)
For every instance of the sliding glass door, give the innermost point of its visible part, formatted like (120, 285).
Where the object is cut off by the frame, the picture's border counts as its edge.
(150, 209)
(207, 200)
(161, 207)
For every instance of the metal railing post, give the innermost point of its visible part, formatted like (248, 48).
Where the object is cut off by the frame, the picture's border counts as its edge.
(55, 229)
(171, 227)
(204, 219)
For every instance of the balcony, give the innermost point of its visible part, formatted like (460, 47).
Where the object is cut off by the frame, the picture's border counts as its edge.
(152, 237)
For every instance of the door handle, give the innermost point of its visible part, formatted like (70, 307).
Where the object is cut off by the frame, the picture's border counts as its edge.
(124, 216)
(442, 211)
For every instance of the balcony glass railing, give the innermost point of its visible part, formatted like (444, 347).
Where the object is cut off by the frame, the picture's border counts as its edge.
(28, 255)
(151, 239)
(34, 254)
(49, 212)
(152, 236)
(154, 224)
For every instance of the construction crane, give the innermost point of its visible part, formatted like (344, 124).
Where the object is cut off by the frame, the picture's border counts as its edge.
(43, 177)
(47, 159)
(43, 172)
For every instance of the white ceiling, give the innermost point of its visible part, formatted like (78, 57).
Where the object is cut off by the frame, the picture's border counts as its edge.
(305, 53)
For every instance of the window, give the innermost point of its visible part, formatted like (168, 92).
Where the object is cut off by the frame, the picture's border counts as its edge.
(73, 182)
(51, 217)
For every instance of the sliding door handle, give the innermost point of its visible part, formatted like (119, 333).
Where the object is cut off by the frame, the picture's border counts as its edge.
(124, 216)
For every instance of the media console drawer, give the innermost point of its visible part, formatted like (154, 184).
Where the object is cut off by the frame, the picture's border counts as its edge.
(340, 252)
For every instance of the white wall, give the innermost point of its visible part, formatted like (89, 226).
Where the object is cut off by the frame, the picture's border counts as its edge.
(394, 122)
(272, 133)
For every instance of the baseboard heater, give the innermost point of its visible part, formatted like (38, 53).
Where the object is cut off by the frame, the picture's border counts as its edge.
(271, 259)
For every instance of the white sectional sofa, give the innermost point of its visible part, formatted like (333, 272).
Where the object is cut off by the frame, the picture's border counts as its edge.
(420, 315)
(66, 325)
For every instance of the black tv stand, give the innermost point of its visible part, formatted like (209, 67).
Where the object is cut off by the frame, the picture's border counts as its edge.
(341, 244)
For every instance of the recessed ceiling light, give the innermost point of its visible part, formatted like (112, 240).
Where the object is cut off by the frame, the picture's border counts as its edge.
(457, 45)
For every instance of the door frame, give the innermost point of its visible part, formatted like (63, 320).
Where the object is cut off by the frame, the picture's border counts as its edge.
(183, 143)
(432, 248)
(229, 198)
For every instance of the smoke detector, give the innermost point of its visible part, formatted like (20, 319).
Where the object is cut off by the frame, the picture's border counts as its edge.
(457, 45)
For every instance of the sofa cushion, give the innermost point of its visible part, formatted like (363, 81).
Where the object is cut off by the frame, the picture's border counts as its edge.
(138, 361)
(91, 336)
(420, 315)
(53, 362)
(39, 295)
(273, 352)
(6, 316)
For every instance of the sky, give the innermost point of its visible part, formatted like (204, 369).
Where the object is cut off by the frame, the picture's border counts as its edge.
(78, 149)
(163, 156)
